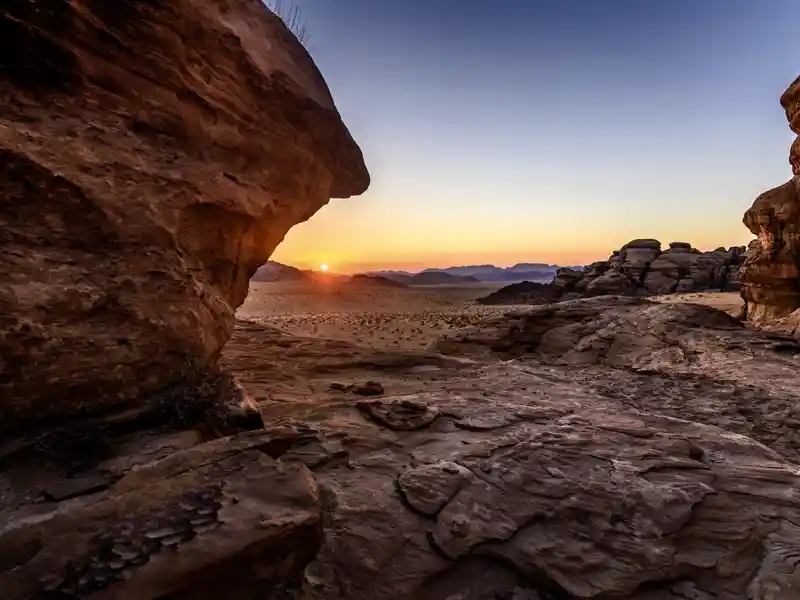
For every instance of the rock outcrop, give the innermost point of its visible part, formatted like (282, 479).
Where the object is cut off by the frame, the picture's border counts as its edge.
(639, 268)
(153, 156)
(158, 517)
(771, 273)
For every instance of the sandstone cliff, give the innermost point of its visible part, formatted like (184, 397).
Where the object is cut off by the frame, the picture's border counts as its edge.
(153, 154)
(639, 268)
(771, 273)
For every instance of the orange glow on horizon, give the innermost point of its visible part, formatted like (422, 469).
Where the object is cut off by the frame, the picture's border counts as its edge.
(361, 235)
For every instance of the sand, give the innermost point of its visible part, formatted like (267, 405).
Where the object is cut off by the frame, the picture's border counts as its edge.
(730, 302)
(383, 318)
(391, 318)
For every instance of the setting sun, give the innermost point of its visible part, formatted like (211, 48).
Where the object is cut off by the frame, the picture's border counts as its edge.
(323, 267)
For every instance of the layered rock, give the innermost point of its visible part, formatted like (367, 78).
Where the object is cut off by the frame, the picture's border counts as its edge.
(153, 156)
(159, 517)
(771, 272)
(639, 268)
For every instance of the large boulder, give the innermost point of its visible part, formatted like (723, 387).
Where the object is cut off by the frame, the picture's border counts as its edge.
(771, 275)
(669, 268)
(636, 256)
(153, 156)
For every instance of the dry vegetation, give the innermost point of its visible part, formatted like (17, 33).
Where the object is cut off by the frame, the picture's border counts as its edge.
(292, 16)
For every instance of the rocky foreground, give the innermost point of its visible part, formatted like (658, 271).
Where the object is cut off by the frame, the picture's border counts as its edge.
(639, 268)
(154, 155)
(602, 448)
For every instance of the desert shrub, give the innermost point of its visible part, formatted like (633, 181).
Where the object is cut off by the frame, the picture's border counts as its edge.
(292, 16)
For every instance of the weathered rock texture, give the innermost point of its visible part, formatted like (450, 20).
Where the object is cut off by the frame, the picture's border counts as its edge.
(157, 517)
(639, 268)
(152, 155)
(771, 273)
(620, 448)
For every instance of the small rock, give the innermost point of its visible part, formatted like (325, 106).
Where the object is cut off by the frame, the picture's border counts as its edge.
(784, 347)
(370, 388)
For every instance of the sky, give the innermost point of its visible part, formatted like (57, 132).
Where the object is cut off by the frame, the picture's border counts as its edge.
(548, 131)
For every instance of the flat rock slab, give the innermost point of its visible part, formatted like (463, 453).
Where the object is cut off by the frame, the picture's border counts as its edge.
(222, 519)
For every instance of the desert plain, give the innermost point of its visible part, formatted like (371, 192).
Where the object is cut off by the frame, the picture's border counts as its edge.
(410, 318)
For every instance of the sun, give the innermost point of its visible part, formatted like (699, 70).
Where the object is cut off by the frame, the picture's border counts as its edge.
(324, 267)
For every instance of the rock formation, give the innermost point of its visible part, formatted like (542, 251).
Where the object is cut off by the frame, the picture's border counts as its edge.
(771, 272)
(602, 448)
(153, 156)
(639, 268)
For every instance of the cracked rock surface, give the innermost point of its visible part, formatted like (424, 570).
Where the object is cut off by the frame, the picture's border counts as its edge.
(575, 457)
(172, 519)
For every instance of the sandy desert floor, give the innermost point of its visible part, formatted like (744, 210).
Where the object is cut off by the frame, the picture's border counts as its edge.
(730, 302)
(392, 319)
(383, 318)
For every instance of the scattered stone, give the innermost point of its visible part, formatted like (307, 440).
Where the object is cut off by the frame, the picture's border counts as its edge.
(401, 414)
(370, 388)
(429, 487)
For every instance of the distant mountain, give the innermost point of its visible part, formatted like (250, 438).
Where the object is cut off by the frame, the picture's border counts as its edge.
(440, 278)
(272, 271)
(537, 272)
(376, 281)
(525, 267)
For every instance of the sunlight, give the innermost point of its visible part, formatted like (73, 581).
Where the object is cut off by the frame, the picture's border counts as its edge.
(323, 267)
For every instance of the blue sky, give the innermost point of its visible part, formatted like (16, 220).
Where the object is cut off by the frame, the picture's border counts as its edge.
(548, 131)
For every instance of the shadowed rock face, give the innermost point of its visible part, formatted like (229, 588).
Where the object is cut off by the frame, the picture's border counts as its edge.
(790, 101)
(152, 156)
(771, 272)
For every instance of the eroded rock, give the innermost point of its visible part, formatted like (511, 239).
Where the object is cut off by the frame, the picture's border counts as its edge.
(639, 268)
(178, 525)
(153, 155)
(770, 272)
